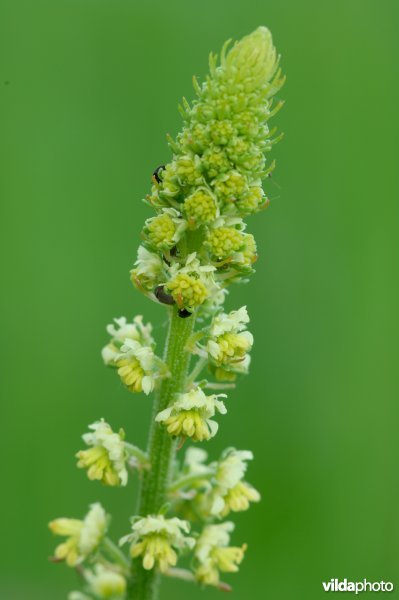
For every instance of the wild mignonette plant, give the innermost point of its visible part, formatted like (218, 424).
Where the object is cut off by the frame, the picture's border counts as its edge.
(194, 247)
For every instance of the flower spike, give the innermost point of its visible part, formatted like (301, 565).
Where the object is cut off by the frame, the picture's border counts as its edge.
(194, 246)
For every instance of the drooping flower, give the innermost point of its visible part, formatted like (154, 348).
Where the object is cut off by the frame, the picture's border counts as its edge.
(131, 352)
(191, 415)
(156, 539)
(106, 458)
(236, 499)
(229, 341)
(148, 271)
(229, 491)
(83, 537)
(214, 555)
(137, 367)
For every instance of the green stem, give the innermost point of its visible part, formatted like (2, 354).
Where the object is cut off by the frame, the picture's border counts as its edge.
(199, 367)
(219, 386)
(137, 453)
(115, 554)
(190, 480)
(161, 447)
(185, 575)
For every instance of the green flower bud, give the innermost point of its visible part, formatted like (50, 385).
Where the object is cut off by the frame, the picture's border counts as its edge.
(237, 148)
(221, 132)
(246, 156)
(225, 135)
(187, 290)
(165, 230)
(161, 230)
(247, 124)
(252, 61)
(188, 170)
(231, 185)
(191, 283)
(200, 208)
(195, 139)
(250, 251)
(215, 161)
(170, 186)
(252, 200)
(224, 241)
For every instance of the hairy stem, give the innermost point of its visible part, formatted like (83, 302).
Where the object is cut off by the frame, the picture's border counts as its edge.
(161, 447)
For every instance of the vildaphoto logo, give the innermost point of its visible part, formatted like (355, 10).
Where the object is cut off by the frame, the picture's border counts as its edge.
(335, 585)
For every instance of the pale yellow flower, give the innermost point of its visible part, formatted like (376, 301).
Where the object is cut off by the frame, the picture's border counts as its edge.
(230, 492)
(229, 341)
(106, 459)
(157, 539)
(83, 537)
(214, 555)
(191, 415)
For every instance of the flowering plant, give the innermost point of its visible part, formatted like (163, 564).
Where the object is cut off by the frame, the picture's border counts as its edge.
(193, 249)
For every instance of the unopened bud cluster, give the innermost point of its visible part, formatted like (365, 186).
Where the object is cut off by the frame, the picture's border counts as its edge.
(214, 180)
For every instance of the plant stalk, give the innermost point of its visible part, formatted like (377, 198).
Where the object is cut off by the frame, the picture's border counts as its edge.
(116, 554)
(161, 446)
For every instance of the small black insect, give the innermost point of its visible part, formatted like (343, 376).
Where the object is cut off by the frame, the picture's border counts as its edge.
(184, 313)
(162, 296)
(157, 172)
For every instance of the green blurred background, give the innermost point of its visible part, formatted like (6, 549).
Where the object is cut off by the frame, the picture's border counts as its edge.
(88, 90)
